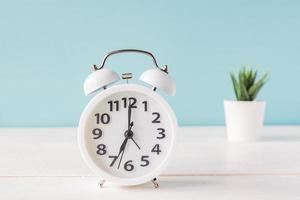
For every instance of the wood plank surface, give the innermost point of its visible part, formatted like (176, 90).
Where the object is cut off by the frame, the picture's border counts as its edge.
(201, 151)
(173, 188)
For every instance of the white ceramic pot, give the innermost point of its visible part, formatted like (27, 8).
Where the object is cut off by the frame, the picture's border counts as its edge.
(244, 120)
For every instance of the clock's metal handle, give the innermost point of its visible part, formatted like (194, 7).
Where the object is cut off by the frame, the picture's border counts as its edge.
(129, 51)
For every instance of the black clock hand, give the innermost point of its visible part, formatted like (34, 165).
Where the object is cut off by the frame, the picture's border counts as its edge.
(130, 124)
(122, 149)
(129, 118)
(123, 145)
(128, 135)
(135, 143)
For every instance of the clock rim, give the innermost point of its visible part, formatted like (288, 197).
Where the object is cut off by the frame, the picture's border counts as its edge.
(83, 122)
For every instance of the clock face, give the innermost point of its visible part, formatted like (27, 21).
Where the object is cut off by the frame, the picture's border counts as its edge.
(128, 133)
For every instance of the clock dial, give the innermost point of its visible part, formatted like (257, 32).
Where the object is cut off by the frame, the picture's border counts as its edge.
(128, 134)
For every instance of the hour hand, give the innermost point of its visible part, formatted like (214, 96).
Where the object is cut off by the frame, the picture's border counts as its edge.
(122, 149)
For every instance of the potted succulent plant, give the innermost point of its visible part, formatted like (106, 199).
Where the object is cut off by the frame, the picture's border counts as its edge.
(244, 116)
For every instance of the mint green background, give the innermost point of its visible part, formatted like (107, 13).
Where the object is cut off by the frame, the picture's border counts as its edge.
(47, 47)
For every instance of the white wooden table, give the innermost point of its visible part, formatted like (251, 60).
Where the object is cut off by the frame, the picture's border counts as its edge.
(46, 164)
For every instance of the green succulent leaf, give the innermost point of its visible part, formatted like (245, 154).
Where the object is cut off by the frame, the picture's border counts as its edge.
(245, 85)
(255, 88)
(235, 86)
(253, 77)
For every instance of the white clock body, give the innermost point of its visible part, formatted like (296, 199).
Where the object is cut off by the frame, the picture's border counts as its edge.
(102, 129)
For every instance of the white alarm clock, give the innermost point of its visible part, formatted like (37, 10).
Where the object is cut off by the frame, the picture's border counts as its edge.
(127, 132)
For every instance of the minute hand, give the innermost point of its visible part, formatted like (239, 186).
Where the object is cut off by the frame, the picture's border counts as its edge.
(129, 118)
(130, 124)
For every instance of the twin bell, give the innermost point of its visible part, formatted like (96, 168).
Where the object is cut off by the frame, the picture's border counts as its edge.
(157, 77)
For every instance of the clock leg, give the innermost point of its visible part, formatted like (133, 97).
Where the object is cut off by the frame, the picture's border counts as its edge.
(155, 183)
(101, 183)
